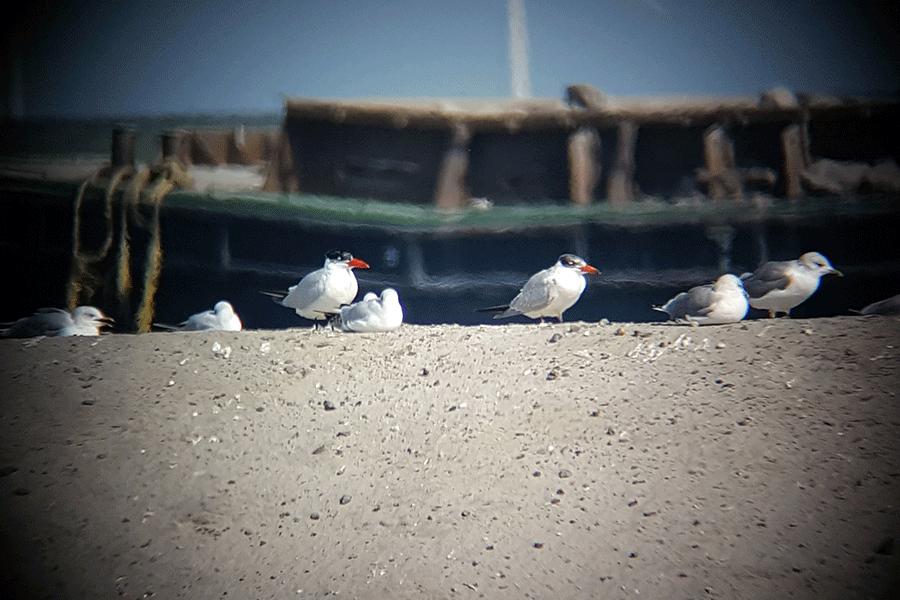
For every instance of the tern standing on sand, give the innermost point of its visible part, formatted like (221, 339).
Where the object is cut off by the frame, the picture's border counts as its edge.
(325, 290)
(549, 293)
(780, 286)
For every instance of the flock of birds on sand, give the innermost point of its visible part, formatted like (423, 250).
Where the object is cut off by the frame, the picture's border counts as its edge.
(327, 294)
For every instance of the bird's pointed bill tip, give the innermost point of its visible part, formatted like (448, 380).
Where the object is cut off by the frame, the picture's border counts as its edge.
(358, 264)
(589, 269)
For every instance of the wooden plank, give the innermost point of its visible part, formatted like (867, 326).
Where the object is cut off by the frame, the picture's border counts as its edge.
(450, 191)
(281, 175)
(236, 147)
(795, 161)
(620, 188)
(584, 170)
(720, 175)
(208, 148)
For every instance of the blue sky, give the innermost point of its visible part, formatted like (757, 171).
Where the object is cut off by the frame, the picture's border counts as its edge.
(106, 58)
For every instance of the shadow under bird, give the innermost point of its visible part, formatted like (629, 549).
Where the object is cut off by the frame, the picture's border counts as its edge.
(372, 313)
(323, 291)
(779, 286)
(221, 318)
(723, 301)
(548, 293)
(56, 322)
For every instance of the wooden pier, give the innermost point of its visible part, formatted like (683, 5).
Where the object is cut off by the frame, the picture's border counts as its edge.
(455, 203)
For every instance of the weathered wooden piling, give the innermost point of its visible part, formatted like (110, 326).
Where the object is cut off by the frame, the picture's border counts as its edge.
(621, 178)
(122, 148)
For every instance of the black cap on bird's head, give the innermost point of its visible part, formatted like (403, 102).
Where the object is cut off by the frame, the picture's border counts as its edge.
(338, 255)
(576, 262)
(345, 257)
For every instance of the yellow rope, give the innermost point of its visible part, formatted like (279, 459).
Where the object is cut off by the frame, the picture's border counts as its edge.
(82, 282)
(130, 198)
(170, 175)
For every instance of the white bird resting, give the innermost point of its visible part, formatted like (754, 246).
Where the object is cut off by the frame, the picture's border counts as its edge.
(221, 318)
(55, 322)
(372, 313)
(888, 307)
(724, 301)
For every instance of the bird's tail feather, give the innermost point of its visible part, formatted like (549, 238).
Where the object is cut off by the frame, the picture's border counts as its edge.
(276, 297)
(496, 309)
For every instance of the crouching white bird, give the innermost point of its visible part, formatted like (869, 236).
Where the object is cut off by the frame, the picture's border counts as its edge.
(548, 293)
(55, 322)
(724, 301)
(325, 290)
(780, 286)
(888, 307)
(222, 318)
(372, 313)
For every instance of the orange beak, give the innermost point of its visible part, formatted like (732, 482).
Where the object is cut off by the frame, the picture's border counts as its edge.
(589, 269)
(358, 264)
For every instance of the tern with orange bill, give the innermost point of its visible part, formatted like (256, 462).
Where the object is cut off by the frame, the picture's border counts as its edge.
(548, 293)
(325, 290)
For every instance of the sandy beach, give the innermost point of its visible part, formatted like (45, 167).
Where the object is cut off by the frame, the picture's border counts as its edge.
(573, 460)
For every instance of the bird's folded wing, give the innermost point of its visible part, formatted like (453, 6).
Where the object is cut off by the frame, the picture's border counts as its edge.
(305, 293)
(760, 284)
(537, 294)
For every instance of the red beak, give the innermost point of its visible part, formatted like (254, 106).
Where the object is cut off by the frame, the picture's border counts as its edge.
(589, 269)
(358, 264)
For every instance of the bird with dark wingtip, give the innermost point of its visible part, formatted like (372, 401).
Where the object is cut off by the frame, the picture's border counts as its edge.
(887, 307)
(56, 322)
(724, 301)
(548, 293)
(219, 318)
(322, 292)
(779, 286)
(373, 313)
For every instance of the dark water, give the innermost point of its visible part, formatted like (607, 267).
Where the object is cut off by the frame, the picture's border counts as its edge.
(182, 294)
(444, 280)
(442, 276)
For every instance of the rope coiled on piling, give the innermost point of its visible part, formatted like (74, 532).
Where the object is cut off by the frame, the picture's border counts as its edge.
(147, 187)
